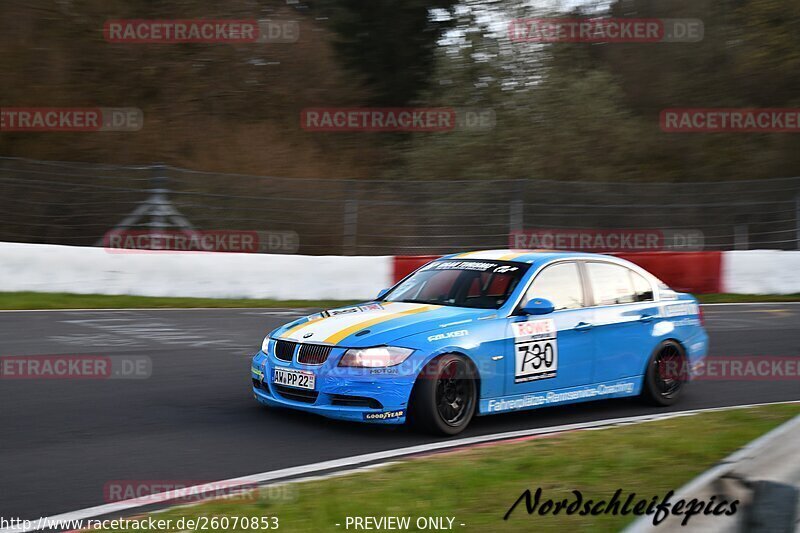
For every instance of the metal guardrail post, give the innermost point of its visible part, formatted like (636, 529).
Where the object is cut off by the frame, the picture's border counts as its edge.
(350, 241)
(740, 237)
(516, 211)
(797, 218)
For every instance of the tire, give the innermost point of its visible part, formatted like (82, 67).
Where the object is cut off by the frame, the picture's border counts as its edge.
(666, 374)
(445, 396)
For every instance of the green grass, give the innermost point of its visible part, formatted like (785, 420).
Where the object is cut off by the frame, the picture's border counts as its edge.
(40, 300)
(740, 298)
(477, 486)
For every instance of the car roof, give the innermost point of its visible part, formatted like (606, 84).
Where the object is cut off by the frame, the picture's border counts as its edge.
(526, 256)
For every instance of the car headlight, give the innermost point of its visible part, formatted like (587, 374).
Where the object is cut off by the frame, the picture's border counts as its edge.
(376, 357)
(264, 344)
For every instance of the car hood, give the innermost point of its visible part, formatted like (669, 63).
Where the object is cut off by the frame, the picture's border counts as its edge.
(375, 323)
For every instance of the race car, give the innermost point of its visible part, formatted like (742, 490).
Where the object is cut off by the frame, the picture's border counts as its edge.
(483, 333)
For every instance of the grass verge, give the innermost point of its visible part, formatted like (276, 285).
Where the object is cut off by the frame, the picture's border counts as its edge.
(40, 300)
(478, 485)
(746, 298)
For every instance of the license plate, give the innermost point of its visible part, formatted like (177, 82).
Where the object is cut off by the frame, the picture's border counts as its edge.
(293, 378)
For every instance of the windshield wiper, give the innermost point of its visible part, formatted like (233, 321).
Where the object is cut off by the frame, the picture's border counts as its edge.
(413, 301)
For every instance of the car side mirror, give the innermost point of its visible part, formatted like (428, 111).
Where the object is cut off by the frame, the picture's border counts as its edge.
(538, 306)
(382, 293)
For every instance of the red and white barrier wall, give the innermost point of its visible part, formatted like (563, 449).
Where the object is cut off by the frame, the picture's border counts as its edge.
(88, 270)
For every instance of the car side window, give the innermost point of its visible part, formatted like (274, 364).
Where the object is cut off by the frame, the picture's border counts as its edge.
(559, 283)
(643, 291)
(611, 284)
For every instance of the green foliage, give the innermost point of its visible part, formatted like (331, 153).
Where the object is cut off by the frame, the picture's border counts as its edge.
(591, 111)
(390, 44)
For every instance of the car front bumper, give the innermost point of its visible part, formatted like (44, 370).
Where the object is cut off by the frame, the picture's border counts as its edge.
(355, 394)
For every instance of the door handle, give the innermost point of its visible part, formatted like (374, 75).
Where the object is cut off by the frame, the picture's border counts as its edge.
(647, 318)
(583, 326)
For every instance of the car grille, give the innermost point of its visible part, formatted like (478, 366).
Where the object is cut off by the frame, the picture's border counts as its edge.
(262, 387)
(284, 350)
(313, 354)
(297, 395)
(355, 401)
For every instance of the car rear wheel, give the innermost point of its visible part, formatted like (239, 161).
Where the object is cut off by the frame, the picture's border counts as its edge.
(666, 375)
(445, 396)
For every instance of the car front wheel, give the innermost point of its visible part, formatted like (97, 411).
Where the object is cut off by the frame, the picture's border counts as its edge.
(666, 375)
(445, 395)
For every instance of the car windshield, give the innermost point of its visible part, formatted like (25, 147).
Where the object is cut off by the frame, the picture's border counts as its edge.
(477, 284)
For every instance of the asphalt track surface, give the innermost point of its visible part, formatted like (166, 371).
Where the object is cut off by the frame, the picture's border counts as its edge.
(194, 419)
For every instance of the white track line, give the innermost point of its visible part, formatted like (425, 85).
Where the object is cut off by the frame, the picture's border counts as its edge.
(355, 461)
(299, 309)
(749, 303)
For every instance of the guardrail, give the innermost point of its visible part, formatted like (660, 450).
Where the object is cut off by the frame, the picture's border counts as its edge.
(78, 203)
(95, 270)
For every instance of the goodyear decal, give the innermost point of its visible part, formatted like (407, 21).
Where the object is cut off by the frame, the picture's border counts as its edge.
(385, 415)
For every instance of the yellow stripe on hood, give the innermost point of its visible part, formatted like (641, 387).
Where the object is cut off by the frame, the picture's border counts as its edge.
(346, 332)
(323, 316)
(288, 332)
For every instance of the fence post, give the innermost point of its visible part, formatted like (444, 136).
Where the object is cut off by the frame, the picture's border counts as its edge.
(797, 218)
(740, 237)
(158, 198)
(350, 241)
(516, 211)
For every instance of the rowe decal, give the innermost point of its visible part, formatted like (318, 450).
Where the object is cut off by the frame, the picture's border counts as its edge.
(535, 350)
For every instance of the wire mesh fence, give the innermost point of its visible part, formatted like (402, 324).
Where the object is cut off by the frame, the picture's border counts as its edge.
(79, 204)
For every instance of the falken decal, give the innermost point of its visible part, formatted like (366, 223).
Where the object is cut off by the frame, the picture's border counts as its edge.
(535, 350)
(449, 335)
